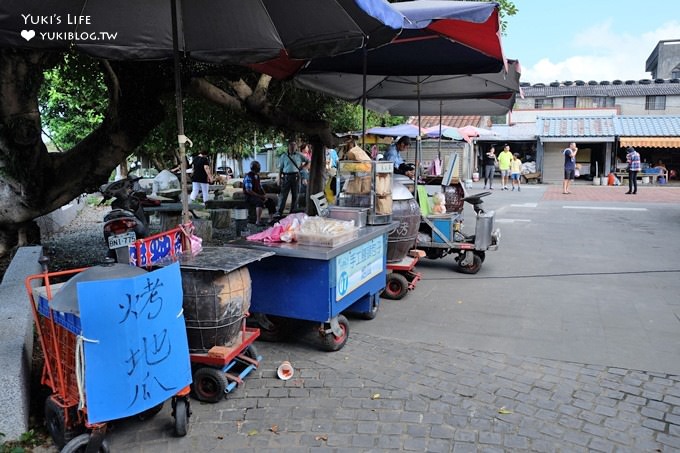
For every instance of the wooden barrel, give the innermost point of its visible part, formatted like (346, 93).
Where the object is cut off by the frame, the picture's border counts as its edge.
(214, 305)
(406, 211)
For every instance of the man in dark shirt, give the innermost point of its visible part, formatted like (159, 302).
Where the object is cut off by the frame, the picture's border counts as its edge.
(201, 176)
(255, 193)
(490, 162)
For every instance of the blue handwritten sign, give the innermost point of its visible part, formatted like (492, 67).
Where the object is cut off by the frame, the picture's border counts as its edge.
(135, 342)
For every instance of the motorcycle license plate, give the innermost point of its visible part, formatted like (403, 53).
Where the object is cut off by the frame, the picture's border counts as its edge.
(122, 240)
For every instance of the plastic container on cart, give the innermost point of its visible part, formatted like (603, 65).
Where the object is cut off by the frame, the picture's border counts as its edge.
(358, 215)
(324, 240)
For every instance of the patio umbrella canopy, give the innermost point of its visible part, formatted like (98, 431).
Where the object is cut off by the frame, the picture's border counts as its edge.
(213, 31)
(448, 56)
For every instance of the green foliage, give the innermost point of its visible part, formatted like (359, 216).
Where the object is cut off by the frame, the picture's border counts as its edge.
(72, 100)
(25, 442)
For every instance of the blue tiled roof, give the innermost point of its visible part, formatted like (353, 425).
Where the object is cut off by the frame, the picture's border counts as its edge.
(608, 126)
(648, 126)
(592, 126)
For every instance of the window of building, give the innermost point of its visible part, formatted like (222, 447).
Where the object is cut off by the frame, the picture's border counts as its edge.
(655, 103)
(570, 102)
(675, 73)
(603, 101)
(543, 103)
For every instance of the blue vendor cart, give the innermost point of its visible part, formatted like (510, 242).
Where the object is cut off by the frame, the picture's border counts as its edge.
(319, 284)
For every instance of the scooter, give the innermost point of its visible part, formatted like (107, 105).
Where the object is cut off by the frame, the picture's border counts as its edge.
(442, 235)
(126, 222)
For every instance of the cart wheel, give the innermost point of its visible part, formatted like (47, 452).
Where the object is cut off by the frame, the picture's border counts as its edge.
(209, 384)
(79, 445)
(396, 286)
(251, 352)
(481, 255)
(181, 414)
(473, 267)
(331, 342)
(274, 331)
(151, 412)
(375, 306)
(55, 420)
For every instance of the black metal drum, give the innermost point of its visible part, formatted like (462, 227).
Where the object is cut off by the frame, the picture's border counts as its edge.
(406, 211)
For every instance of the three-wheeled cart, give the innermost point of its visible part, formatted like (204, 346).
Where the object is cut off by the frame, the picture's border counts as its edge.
(217, 292)
(441, 234)
(402, 277)
(319, 284)
(60, 334)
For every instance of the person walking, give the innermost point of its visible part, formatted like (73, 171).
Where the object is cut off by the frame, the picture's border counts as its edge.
(490, 161)
(290, 164)
(201, 176)
(504, 159)
(569, 166)
(634, 166)
(515, 171)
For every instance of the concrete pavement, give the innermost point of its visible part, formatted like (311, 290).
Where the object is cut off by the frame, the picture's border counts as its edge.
(565, 341)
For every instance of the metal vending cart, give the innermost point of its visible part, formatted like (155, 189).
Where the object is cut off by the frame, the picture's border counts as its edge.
(216, 288)
(217, 291)
(319, 283)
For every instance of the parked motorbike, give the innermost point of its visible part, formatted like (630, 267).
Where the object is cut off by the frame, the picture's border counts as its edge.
(439, 236)
(126, 222)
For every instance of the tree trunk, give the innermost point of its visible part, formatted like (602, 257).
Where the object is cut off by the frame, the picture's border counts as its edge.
(34, 182)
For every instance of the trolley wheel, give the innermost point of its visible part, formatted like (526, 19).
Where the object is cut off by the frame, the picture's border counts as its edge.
(79, 445)
(396, 286)
(209, 384)
(251, 352)
(373, 312)
(55, 419)
(275, 331)
(331, 342)
(181, 412)
(473, 267)
(151, 412)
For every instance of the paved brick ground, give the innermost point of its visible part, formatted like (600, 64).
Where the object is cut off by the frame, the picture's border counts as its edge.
(377, 395)
(645, 194)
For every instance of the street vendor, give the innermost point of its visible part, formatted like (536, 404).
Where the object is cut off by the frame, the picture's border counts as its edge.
(290, 165)
(393, 155)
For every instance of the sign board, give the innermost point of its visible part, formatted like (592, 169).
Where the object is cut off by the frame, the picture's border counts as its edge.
(136, 353)
(357, 266)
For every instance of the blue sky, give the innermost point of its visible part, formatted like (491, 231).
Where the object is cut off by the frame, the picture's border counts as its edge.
(588, 39)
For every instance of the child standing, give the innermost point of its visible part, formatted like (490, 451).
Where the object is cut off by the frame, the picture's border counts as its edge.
(515, 169)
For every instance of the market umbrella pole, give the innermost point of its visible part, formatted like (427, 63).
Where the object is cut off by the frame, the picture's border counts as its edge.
(418, 141)
(181, 138)
(363, 101)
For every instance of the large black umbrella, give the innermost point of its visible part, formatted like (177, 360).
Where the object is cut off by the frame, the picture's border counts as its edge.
(447, 60)
(214, 31)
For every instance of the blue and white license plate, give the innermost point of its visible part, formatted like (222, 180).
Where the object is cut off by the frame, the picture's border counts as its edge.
(122, 240)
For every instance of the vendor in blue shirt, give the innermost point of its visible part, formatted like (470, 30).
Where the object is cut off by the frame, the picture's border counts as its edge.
(393, 155)
(290, 165)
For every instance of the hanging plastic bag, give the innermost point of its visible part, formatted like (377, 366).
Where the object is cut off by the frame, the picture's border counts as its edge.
(195, 243)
